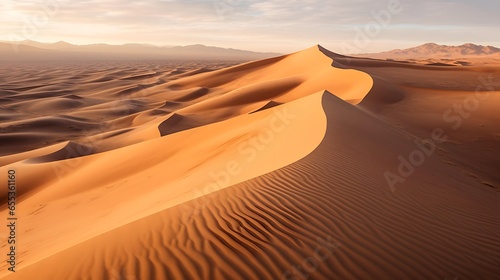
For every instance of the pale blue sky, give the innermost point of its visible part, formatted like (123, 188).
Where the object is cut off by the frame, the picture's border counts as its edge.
(279, 26)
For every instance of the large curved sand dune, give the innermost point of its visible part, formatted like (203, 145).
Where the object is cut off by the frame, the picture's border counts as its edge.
(265, 170)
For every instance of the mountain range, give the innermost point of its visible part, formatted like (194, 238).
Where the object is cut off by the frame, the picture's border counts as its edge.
(432, 50)
(35, 51)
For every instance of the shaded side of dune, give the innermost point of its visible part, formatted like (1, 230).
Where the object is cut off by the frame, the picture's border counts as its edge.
(176, 123)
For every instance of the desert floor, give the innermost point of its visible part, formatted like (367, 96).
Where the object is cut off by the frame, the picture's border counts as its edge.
(306, 166)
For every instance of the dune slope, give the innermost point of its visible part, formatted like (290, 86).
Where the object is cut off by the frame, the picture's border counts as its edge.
(438, 226)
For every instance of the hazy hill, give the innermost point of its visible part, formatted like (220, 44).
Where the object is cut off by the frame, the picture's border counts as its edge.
(36, 51)
(432, 50)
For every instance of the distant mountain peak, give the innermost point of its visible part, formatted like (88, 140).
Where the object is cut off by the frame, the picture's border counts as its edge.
(430, 45)
(62, 43)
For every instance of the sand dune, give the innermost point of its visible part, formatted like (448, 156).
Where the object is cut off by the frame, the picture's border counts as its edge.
(271, 169)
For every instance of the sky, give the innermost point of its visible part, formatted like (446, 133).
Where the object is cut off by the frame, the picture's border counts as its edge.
(344, 26)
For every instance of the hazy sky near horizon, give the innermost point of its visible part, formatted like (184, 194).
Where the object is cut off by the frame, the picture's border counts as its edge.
(343, 26)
